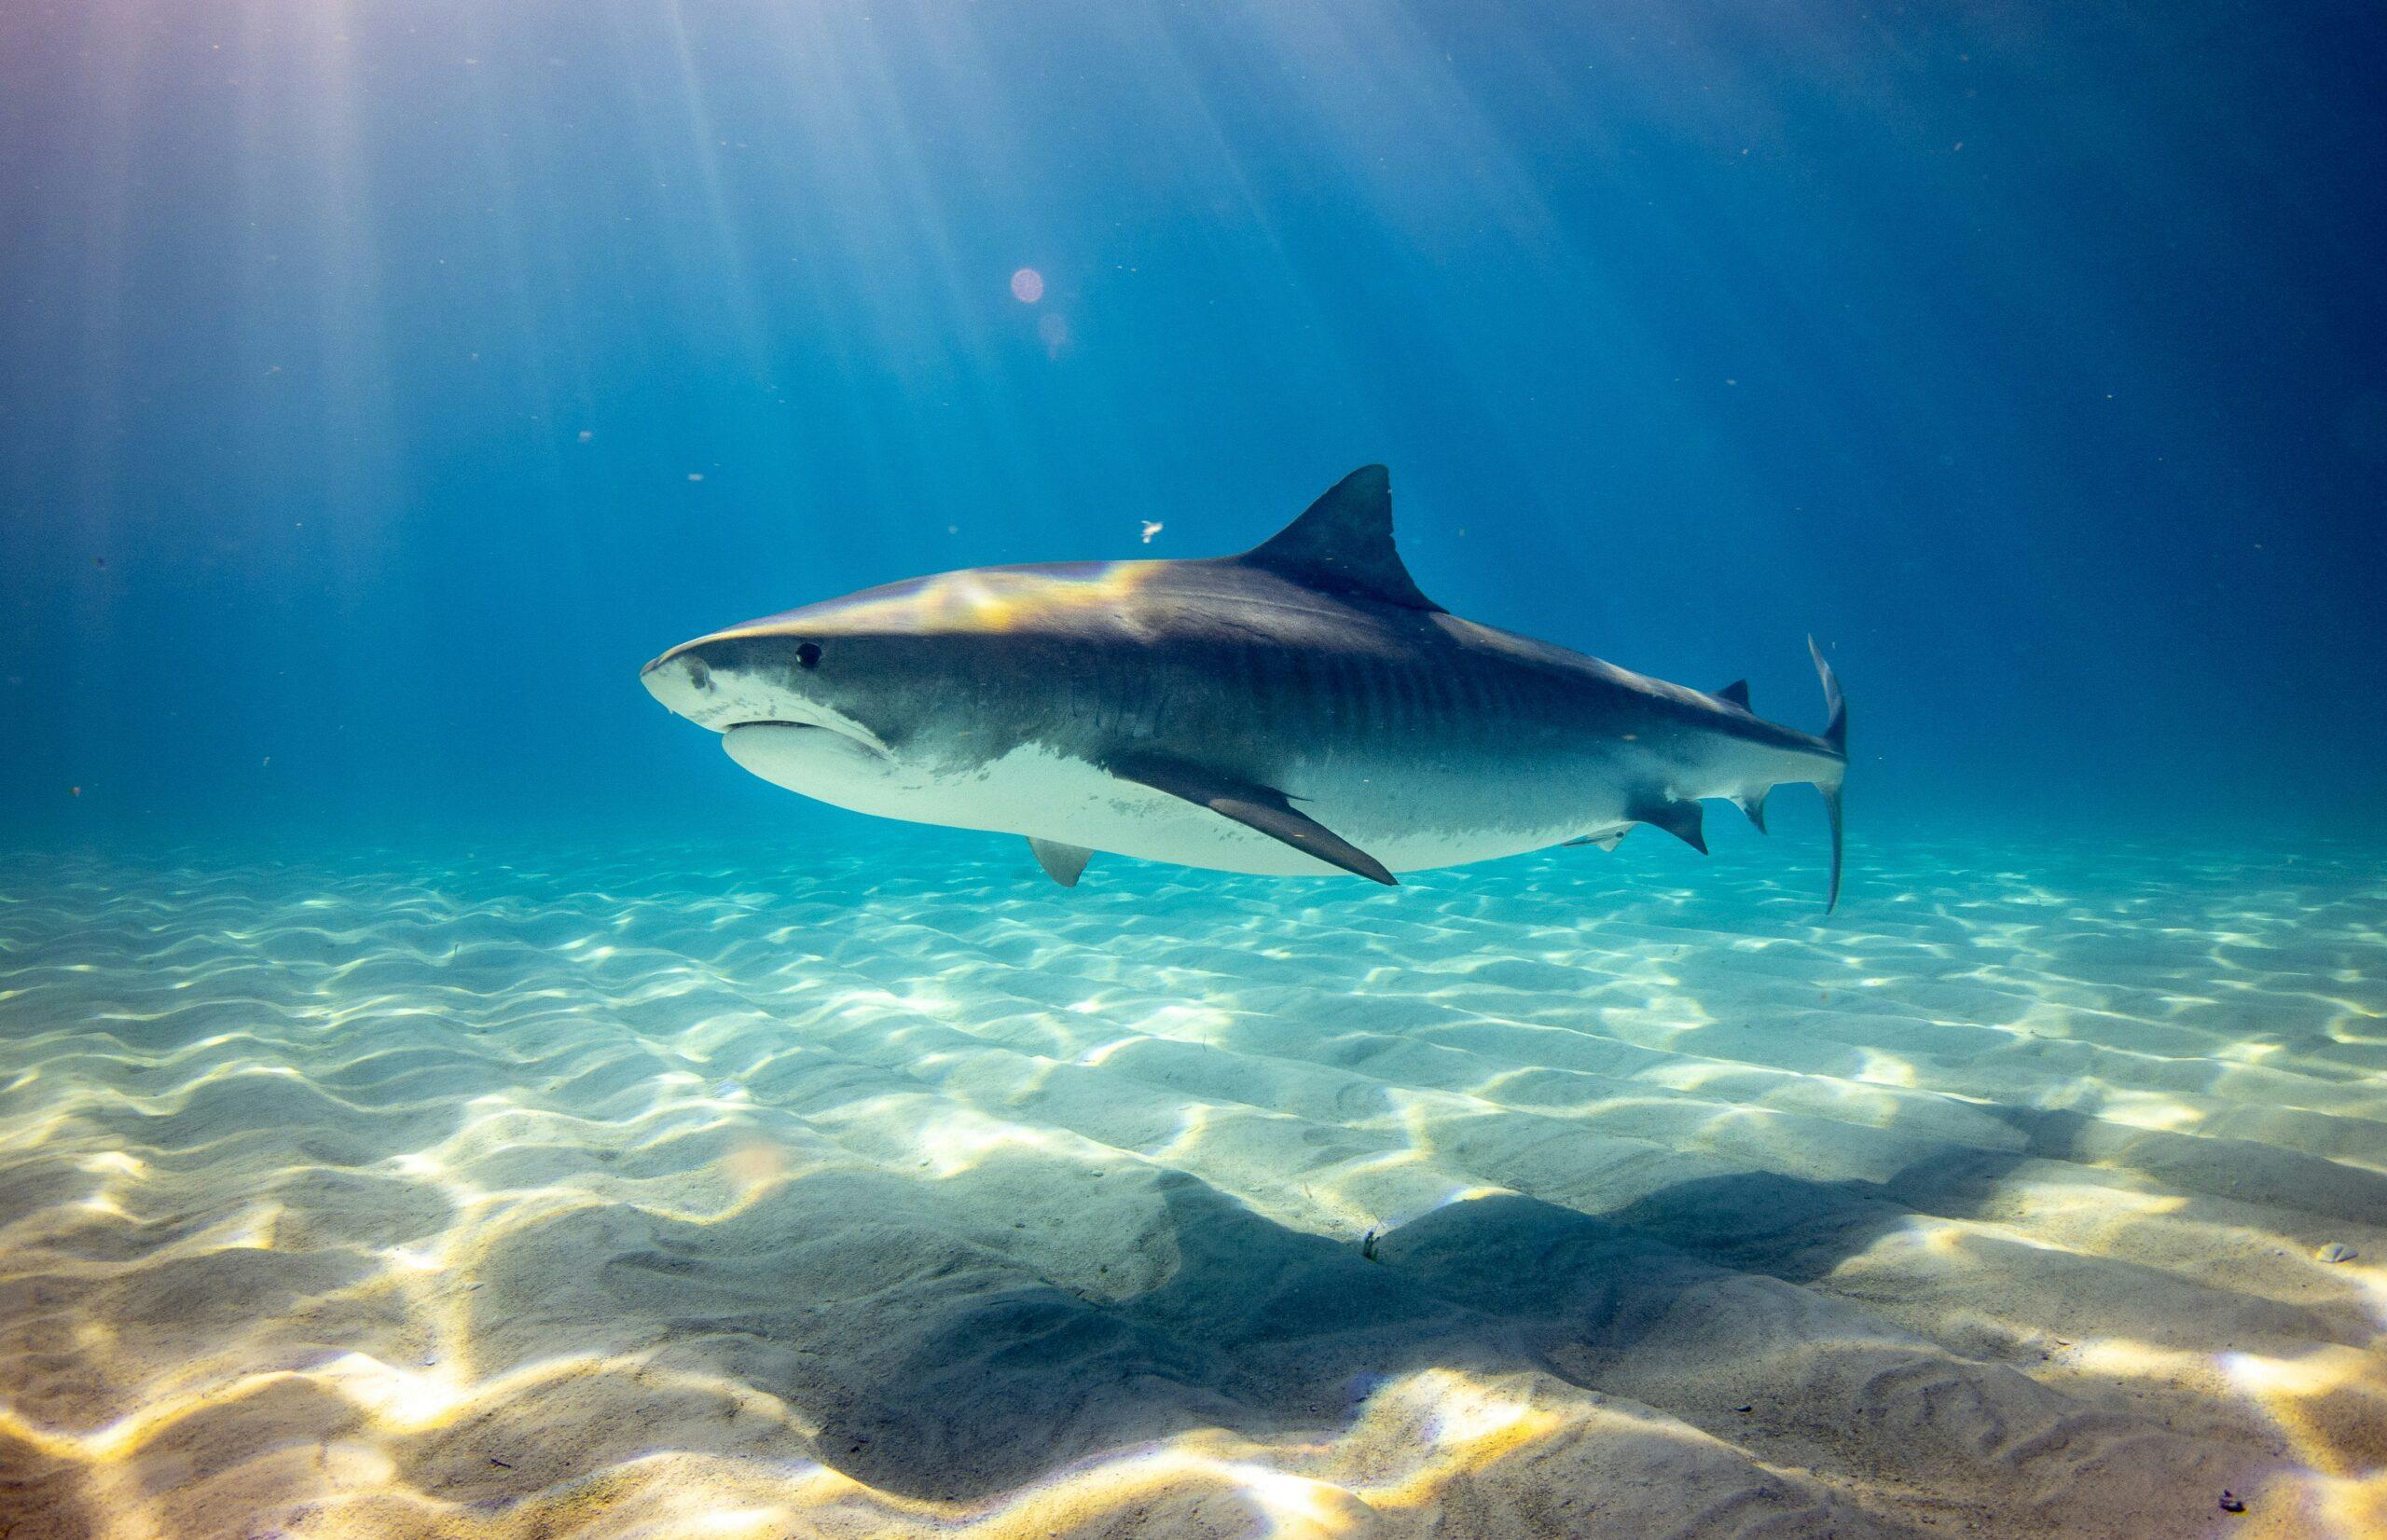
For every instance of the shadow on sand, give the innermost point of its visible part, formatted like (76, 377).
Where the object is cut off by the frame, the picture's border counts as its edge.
(950, 1367)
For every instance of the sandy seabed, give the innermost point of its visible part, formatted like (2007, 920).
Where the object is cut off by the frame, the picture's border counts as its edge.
(658, 1193)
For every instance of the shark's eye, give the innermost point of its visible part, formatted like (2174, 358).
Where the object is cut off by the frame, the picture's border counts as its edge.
(809, 655)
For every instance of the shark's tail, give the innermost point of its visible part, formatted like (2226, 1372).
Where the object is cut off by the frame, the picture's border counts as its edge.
(1836, 734)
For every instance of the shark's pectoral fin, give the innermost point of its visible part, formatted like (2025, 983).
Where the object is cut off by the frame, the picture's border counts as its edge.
(1683, 819)
(1064, 864)
(1260, 807)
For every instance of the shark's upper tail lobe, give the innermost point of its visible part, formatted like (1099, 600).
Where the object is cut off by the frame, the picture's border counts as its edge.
(1836, 734)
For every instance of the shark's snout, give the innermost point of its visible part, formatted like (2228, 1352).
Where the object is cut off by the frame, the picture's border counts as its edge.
(680, 680)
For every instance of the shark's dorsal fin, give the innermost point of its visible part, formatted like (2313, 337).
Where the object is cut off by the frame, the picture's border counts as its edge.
(1342, 545)
(1737, 693)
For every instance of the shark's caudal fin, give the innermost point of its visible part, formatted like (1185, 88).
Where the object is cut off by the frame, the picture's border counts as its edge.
(1342, 545)
(1836, 734)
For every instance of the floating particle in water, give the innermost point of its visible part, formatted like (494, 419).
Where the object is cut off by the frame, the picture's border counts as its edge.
(696, 476)
(75, 791)
(1054, 330)
(586, 436)
(1152, 527)
(1027, 285)
(100, 562)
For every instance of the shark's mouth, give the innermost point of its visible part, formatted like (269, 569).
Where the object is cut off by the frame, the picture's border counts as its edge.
(849, 733)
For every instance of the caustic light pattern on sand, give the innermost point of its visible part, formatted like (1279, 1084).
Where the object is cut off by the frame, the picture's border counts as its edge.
(659, 1193)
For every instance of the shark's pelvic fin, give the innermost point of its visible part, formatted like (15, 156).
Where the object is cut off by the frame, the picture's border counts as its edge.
(1835, 734)
(1607, 839)
(1677, 817)
(1064, 864)
(1754, 805)
(1737, 693)
(1260, 807)
(1342, 545)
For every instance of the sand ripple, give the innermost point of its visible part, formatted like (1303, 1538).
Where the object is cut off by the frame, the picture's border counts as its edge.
(662, 1192)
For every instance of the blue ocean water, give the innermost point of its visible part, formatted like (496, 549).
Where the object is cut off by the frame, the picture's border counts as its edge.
(441, 1096)
(384, 386)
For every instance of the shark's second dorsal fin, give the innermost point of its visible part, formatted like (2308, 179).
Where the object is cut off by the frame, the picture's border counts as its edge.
(1342, 545)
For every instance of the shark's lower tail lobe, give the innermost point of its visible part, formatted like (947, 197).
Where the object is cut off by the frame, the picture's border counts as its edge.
(1836, 734)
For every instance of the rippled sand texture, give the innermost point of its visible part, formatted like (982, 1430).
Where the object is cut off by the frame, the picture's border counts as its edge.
(655, 1194)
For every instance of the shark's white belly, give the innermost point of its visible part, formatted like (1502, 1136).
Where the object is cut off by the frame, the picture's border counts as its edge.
(1407, 824)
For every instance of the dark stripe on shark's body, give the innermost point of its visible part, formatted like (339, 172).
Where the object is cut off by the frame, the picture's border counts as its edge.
(1304, 697)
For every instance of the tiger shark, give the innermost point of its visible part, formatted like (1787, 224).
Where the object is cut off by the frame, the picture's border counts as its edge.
(1300, 710)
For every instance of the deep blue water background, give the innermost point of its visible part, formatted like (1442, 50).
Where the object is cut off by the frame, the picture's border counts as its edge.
(358, 364)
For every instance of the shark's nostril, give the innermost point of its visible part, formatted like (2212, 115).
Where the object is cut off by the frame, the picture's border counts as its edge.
(699, 675)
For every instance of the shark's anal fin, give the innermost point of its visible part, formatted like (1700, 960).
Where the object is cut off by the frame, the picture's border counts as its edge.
(1260, 807)
(1676, 816)
(1064, 864)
